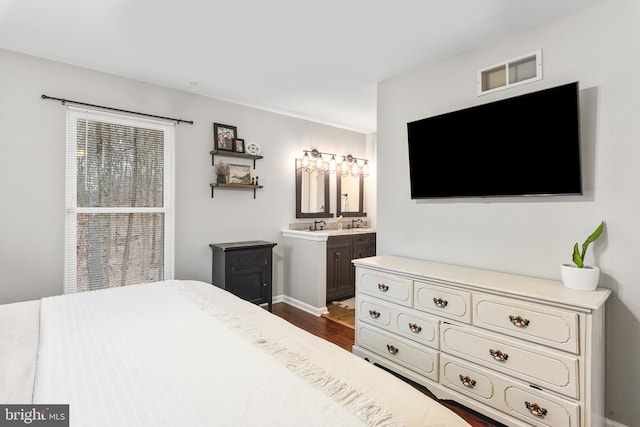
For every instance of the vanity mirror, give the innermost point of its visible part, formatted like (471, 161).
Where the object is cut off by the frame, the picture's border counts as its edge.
(350, 190)
(312, 193)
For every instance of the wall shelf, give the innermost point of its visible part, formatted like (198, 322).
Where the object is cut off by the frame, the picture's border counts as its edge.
(236, 186)
(224, 153)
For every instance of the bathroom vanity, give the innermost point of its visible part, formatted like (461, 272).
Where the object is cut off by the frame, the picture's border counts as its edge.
(318, 267)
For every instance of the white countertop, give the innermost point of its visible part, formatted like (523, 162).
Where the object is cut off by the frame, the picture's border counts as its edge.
(322, 235)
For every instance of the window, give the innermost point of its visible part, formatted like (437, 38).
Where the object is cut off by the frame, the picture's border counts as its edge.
(524, 69)
(119, 200)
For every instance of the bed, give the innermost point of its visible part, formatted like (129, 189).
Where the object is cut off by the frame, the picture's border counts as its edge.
(177, 353)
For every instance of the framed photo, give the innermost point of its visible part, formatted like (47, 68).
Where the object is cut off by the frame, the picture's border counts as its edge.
(238, 146)
(225, 136)
(239, 174)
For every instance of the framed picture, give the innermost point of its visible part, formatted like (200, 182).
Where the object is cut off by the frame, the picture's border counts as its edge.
(225, 136)
(239, 174)
(238, 146)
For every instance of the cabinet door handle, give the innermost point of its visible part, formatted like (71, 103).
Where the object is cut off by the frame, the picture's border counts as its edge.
(383, 287)
(441, 303)
(467, 382)
(415, 328)
(519, 321)
(374, 314)
(264, 285)
(338, 256)
(536, 410)
(392, 350)
(498, 355)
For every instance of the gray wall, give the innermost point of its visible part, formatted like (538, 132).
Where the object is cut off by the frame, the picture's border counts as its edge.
(32, 171)
(533, 236)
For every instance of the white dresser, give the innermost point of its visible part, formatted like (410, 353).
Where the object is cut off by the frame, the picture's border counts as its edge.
(521, 350)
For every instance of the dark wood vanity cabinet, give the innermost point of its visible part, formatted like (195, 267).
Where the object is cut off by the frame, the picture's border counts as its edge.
(244, 269)
(364, 245)
(340, 271)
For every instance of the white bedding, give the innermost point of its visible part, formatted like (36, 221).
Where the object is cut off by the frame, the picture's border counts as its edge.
(18, 350)
(187, 353)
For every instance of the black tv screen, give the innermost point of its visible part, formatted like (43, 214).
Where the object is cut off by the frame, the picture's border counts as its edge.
(526, 145)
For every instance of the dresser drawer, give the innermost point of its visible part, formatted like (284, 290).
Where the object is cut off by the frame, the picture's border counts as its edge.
(549, 326)
(419, 359)
(374, 312)
(524, 403)
(395, 319)
(505, 394)
(467, 379)
(385, 286)
(545, 368)
(446, 302)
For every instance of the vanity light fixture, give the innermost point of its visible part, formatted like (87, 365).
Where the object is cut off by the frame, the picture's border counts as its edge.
(351, 166)
(314, 161)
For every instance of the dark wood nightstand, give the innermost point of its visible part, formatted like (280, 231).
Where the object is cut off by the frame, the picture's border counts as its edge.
(244, 269)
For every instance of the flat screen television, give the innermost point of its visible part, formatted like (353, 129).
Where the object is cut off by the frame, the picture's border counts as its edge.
(527, 145)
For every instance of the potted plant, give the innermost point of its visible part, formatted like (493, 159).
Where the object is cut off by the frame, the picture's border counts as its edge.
(582, 277)
(222, 170)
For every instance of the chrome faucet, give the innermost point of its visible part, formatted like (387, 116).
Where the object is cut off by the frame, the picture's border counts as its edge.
(315, 224)
(354, 221)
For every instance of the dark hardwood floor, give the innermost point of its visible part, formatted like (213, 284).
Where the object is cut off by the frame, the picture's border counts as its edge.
(343, 336)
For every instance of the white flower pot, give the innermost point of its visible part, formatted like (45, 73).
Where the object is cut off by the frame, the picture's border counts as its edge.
(581, 279)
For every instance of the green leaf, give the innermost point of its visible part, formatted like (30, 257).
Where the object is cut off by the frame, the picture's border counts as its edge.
(577, 259)
(592, 238)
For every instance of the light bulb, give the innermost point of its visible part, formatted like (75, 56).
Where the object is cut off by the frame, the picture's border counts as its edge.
(332, 164)
(354, 168)
(344, 167)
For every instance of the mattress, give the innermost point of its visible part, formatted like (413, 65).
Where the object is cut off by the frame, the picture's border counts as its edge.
(188, 353)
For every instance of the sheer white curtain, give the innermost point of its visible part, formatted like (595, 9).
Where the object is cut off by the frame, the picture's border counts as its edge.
(119, 200)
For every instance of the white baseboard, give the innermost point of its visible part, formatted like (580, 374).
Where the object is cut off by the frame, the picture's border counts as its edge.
(611, 423)
(316, 311)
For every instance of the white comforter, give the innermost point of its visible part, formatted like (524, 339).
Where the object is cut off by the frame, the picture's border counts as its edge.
(186, 353)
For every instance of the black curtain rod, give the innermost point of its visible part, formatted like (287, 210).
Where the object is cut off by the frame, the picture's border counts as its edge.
(64, 101)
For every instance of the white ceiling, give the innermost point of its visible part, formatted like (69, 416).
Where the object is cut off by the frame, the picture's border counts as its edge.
(315, 60)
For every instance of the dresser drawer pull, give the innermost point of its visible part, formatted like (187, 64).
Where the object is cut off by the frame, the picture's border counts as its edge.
(536, 410)
(392, 350)
(374, 314)
(519, 321)
(383, 287)
(498, 355)
(439, 302)
(467, 382)
(415, 328)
